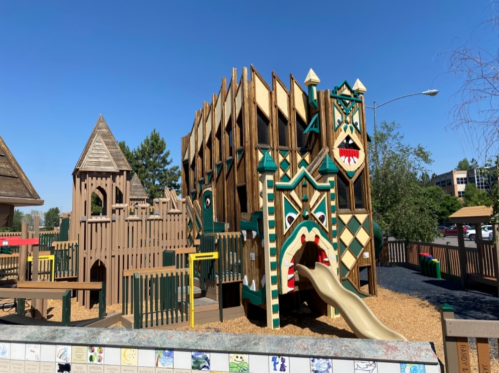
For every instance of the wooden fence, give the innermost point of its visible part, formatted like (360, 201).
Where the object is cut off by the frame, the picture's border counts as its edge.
(480, 261)
(456, 335)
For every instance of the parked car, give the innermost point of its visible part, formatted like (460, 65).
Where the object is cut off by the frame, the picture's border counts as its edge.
(471, 233)
(442, 228)
(452, 231)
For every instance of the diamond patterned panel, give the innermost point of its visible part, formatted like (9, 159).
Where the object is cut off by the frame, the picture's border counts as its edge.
(285, 165)
(353, 225)
(363, 237)
(348, 259)
(356, 247)
(346, 237)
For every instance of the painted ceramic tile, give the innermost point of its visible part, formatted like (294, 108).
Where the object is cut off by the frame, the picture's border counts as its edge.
(365, 367)
(239, 363)
(4, 350)
(129, 357)
(200, 361)
(63, 354)
(79, 356)
(95, 355)
(164, 358)
(279, 364)
(32, 352)
(320, 366)
(412, 368)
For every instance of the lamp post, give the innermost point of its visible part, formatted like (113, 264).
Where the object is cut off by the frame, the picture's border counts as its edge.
(430, 92)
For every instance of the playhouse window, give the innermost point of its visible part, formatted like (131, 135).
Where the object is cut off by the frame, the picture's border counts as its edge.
(228, 141)
(263, 128)
(283, 130)
(240, 129)
(209, 155)
(301, 141)
(358, 192)
(243, 198)
(343, 193)
(218, 142)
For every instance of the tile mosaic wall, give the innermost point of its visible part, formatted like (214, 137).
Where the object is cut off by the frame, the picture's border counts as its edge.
(36, 358)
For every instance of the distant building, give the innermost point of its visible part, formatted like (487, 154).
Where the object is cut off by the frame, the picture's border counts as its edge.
(454, 182)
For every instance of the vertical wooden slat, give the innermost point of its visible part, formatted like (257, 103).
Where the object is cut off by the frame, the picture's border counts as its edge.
(482, 347)
(463, 351)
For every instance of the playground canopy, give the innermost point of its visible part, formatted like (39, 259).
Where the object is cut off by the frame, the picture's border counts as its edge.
(471, 215)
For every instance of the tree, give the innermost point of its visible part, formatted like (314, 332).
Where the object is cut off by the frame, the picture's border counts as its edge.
(52, 218)
(151, 162)
(17, 222)
(476, 112)
(475, 197)
(400, 206)
(463, 165)
(30, 218)
(96, 204)
(446, 204)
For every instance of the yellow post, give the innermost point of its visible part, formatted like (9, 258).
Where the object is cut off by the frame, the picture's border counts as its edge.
(192, 259)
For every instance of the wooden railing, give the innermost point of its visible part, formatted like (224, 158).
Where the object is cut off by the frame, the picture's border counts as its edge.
(456, 335)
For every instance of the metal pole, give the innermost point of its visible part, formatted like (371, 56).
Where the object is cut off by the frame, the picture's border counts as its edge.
(375, 138)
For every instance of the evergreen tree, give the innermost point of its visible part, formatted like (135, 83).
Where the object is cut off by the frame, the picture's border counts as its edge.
(52, 218)
(18, 219)
(463, 165)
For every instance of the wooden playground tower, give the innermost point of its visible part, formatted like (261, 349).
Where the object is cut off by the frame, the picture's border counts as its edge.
(287, 168)
(129, 233)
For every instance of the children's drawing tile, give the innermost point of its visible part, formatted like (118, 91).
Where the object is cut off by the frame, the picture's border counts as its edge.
(31, 367)
(47, 367)
(63, 354)
(112, 356)
(17, 351)
(4, 351)
(278, 364)
(129, 356)
(200, 360)
(63, 367)
(319, 365)
(384, 367)
(47, 353)
(33, 352)
(238, 363)
(299, 365)
(182, 360)
(365, 367)
(16, 366)
(79, 354)
(79, 368)
(411, 368)
(259, 363)
(163, 358)
(343, 366)
(95, 355)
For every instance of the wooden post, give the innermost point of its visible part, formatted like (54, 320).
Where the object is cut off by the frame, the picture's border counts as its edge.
(23, 253)
(496, 254)
(36, 304)
(479, 246)
(450, 343)
(462, 256)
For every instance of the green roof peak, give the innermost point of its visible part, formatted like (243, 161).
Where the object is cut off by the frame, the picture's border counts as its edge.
(267, 164)
(328, 167)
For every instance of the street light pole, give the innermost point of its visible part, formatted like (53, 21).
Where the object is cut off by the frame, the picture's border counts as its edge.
(430, 92)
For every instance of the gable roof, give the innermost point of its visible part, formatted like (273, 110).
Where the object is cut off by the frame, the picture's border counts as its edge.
(102, 152)
(472, 214)
(15, 188)
(137, 189)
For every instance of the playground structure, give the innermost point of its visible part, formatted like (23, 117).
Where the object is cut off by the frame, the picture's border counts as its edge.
(308, 202)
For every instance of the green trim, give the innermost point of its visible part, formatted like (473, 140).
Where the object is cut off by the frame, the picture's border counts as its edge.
(273, 265)
(304, 198)
(447, 308)
(273, 251)
(271, 223)
(369, 139)
(334, 220)
(303, 173)
(303, 163)
(313, 126)
(335, 233)
(333, 196)
(312, 96)
(275, 293)
(275, 323)
(349, 98)
(284, 153)
(285, 178)
(335, 246)
(309, 224)
(252, 225)
(333, 208)
(304, 184)
(359, 128)
(275, 308)
(209, 174)
(328, 167)
(270, 183)
(350, 174)
(270, 196)
(239, 154)
(218, 167)
(267, 164)
(256, 297)
(273, 280)
(305, 213)
(201, 183)
(285, 165)
(272, 237)
(271, 210)
(228, 162)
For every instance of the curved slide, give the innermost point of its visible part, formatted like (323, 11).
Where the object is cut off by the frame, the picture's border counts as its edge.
(357, 315)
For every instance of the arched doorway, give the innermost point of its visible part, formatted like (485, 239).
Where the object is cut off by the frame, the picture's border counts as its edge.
(97, 274)
(98, 202)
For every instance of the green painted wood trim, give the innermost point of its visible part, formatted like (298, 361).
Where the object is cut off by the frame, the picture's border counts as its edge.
(313, 126)
(275, 323)
(267, 164)
(303, 173)
(275, 308)
(272, 237)
(270, 183)
(271, 223)
(256, 297)
(275, 293)
(273, 251)
(273, 280)
(273, 265)
(270, 196)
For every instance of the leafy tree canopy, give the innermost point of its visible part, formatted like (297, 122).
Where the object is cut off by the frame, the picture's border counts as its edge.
(463, 165)
(475, 197)
(52, 218)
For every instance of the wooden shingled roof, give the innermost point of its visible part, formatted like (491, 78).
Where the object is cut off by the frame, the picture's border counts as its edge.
(472, 214)
(102, 152)
(137, 189)
(15, 188)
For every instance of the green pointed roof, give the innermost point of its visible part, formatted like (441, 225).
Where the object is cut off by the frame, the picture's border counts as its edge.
(328, 167)
(267, 164)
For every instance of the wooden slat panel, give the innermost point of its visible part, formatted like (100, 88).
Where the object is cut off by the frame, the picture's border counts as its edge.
(482, 347)
(59, 285)
(463, 353)
(31, 294)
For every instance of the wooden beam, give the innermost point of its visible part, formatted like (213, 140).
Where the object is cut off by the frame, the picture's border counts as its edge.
(59, 285)
(23, 253)
(472, 328)
(31, 293)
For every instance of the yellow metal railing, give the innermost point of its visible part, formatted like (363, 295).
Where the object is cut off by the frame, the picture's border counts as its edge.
(42, 258)
(192, 259)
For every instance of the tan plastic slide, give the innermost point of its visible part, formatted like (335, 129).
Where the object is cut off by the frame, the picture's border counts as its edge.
(357, 315)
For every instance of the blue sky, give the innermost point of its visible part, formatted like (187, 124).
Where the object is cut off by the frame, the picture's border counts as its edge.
(150, 64)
